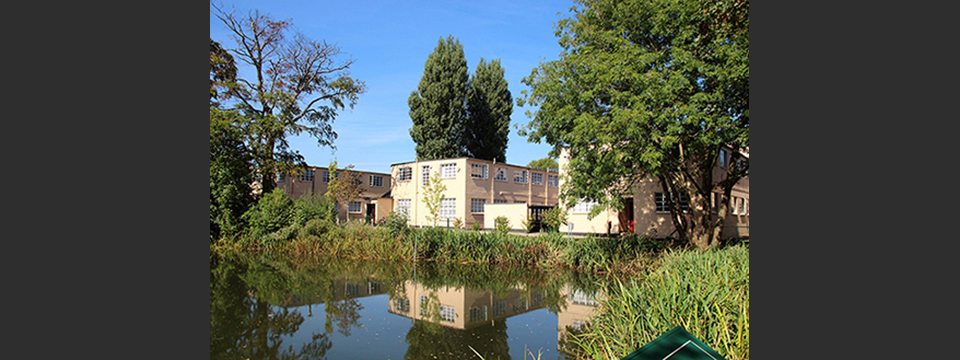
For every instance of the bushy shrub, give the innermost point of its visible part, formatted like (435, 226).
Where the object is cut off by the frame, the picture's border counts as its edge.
(553, 218)
(272, 212)
(477, 226)
(314, 206)
(457, 223)
(502, 224)
(527, 224)
(316, 227)
(397, 223)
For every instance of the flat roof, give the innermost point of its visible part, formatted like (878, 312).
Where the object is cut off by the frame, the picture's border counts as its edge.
(470, 158)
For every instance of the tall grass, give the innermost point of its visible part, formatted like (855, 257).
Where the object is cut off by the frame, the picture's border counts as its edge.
(706, 292)
(627, 255)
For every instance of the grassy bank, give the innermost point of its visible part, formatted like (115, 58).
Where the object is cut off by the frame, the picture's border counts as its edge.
(353, 240)
(706, 292)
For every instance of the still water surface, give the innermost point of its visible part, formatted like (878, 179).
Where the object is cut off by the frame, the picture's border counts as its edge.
(278, 307)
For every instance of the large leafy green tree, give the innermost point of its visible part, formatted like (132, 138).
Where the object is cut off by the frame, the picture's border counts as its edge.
(649, 88)
(296, 85)
(438, 106)
(230, 175)
(546, 163)
(489, 106)
(230, 160)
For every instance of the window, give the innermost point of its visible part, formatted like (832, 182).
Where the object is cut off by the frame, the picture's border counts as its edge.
(326, 176)
(448, 171)
(733, 205)
(355, 178)
(723, 158)
(748, 206)
(665, 200)
(499, 201)
(583, 206)
(448, 209)
(354, 207)
(520, 177)
(537, 178)
(405, 174)
(519, 202)
(403, 207)
(447, 313)
(501, 175)
(376, 181)
(478, 171)
(402, 304)
(552, 180)
(281, 177)
(423, 304)
(426, 175)
(308, 176)
(476, 205)
(579, 297)
(478, 313)
(353, 289)
(500, 308)
(740, 206)
(521, 304)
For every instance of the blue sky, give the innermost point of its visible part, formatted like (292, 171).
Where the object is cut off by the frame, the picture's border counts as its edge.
(390, 41)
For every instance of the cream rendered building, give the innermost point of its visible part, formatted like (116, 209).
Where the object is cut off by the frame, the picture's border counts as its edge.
(472, 185)
(374, 202)
(646, 206)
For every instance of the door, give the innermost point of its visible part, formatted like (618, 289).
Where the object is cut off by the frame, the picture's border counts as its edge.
(371, 213)
(626, 215)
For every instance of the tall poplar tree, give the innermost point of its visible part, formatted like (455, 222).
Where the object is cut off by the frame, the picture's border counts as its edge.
(438, 106)
(489, 106)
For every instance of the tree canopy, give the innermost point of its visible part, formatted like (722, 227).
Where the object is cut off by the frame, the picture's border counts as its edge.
(489, 106)
(455, 114)
(438, 106)
(296, 85)
(648, 88)
(546, 163)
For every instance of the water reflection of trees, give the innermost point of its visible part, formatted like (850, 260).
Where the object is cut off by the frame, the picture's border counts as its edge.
(428, 340)
(345, 313)
(250, 296)
(243, 327)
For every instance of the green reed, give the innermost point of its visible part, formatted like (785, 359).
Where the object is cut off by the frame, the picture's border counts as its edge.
(706, 292)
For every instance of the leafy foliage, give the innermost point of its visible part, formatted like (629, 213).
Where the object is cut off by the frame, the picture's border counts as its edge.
(553, 218)
(274, 211)
(544, 164)
(438, 106)
(648, 88)
(297, 85)
(489, 106)
(432, 196)
(312, 206)
(455, 114)
(397, 223)
(230, 176)
(343, 185)
(502, 224)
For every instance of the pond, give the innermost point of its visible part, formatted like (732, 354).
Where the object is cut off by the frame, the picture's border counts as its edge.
(271, 306)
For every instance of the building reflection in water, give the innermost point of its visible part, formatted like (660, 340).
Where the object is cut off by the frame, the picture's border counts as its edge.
(580, 307)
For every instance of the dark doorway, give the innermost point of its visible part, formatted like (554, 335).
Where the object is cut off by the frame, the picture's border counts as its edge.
(626, 215)
(371, 213)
